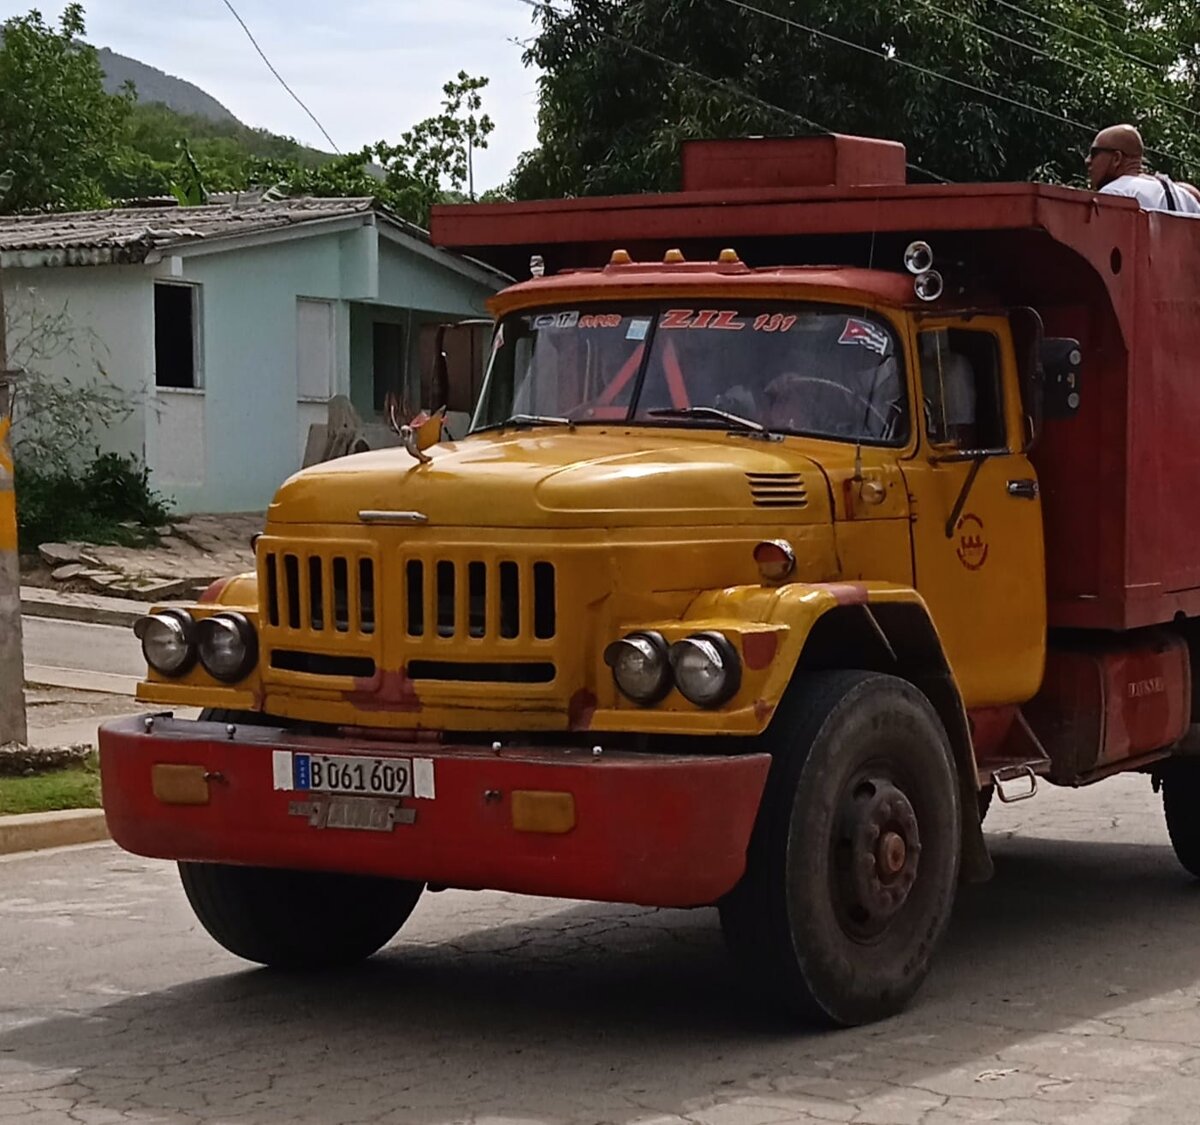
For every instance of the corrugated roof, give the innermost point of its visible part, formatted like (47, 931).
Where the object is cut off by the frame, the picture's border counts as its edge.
(129, 235)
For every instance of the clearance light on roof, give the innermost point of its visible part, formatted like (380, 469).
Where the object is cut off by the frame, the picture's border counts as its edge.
(728, 257)
(673, 257)
(620, 258)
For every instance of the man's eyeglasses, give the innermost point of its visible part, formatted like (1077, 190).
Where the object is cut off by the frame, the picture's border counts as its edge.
(1096, 150)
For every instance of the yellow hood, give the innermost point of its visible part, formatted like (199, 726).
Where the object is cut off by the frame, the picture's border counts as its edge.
(556, 478)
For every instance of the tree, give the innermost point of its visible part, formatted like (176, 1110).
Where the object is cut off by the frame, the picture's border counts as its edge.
(59, 130)
(626, 81)
(431, 163)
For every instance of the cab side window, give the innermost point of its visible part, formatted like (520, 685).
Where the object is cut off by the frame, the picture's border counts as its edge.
(962, 389)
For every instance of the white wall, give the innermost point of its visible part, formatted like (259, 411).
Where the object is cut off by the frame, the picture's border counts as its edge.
(83, 323)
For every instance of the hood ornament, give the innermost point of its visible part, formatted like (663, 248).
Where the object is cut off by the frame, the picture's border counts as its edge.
(419, 434)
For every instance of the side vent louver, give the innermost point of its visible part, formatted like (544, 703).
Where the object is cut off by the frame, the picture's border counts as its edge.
(777, 490)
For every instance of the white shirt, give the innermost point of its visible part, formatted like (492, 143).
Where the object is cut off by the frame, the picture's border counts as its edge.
(1150, 193)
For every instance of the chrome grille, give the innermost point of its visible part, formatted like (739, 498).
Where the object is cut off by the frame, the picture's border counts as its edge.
(777, 490)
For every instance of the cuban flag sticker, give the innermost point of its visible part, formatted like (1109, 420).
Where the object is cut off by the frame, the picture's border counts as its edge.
(865, 334)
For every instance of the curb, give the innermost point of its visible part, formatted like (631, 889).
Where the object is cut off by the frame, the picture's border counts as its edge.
(28, 832)
(94, 610)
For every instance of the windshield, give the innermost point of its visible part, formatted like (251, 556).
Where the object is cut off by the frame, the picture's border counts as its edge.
(819, 370)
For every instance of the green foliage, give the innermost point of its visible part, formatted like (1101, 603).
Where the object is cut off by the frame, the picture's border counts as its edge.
(431, 162)
(59, 130)
(109, 501)
(626, 81)
(75, 788)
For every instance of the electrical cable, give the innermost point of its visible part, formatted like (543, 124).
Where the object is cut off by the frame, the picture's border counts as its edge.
(271, 68)
(1062, 119)
(719, 82)
(1057, 58)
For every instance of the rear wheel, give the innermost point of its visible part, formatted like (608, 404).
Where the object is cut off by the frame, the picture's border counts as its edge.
(1181, 804)
(854, 862)
(297, 919)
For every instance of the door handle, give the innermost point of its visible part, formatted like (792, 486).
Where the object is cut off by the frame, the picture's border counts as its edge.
(1024, 489)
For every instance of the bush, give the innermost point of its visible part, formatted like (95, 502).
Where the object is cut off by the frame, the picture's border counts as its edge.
(110, 501)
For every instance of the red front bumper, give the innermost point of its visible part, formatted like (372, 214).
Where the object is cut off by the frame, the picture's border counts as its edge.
(651, 829)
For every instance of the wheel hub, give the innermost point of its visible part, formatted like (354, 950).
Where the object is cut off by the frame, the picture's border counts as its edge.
(879, 852)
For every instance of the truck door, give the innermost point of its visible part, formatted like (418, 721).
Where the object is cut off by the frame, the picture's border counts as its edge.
(977, 517)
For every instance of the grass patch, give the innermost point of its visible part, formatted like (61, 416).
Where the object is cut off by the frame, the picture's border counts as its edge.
(75, 788)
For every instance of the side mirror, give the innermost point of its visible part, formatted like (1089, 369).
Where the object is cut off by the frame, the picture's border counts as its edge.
(1061, 360)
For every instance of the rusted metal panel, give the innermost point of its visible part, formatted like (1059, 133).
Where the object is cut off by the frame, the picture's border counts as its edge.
(757, 162)
(1102, 704)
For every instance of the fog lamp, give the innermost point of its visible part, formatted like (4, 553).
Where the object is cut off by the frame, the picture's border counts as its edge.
(640, 666)
(167, 641)
(228, 646)
(707, 669)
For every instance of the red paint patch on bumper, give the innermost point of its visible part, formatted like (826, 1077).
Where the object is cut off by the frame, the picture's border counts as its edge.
(658, 830)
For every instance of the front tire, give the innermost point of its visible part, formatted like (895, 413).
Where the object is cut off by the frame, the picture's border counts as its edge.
(854, 862)
(1181, 803)
(297, 919)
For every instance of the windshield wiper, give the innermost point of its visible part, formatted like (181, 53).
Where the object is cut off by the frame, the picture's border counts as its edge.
(714, 413)
(519, 420)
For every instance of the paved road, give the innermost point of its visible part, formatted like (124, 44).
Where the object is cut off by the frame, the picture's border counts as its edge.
(1067, 993)
(81, 655)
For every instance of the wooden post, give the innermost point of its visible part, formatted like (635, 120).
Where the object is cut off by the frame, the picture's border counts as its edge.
(12, 661)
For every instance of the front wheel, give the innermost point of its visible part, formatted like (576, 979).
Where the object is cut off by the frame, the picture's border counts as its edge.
(1181, 803)
(854, 863)
(297, 919)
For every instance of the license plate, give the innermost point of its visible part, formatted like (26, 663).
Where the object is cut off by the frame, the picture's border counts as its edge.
(352, 776)
(361, 813)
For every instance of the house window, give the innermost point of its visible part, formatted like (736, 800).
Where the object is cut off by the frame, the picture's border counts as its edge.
(175, 339)
(388, 362)
(315, 350)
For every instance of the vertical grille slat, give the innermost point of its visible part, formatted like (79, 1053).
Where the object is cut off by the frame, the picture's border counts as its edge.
(291, 586)
(366, 597)
(316, 594)
(510, 601)
(340, 598)
(414, 580)
(477, 599)
(273, 590)
(545, 612)
(445, 598)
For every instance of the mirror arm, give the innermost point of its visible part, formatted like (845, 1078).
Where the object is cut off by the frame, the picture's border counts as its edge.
(964, 492)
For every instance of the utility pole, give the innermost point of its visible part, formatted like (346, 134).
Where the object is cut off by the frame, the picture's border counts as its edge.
(12, 661)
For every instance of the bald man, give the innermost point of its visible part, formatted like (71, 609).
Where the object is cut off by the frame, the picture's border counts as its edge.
(1115, 166)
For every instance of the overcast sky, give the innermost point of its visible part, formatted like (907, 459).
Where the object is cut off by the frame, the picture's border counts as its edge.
(367, 68)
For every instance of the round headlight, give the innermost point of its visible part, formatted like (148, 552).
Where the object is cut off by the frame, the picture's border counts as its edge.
(167, 641)
(640, 666)
(228, 646)
(707, 669)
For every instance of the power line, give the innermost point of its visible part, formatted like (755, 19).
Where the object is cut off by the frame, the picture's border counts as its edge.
(718, 82)
(1047, 54)
(271, 68)
(1062, 119)
(1079, 34)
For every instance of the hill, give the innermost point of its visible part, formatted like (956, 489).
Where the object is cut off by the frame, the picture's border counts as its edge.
(154, 85)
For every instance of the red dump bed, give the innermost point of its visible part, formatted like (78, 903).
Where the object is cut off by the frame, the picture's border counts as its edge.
(1121, 480)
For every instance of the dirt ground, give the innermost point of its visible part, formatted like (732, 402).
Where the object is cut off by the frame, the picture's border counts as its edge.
(48, 707)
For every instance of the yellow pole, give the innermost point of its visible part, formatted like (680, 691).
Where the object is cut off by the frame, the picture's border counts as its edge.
(12, 663)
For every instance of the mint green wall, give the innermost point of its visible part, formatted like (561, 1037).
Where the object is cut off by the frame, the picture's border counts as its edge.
(249, 318)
